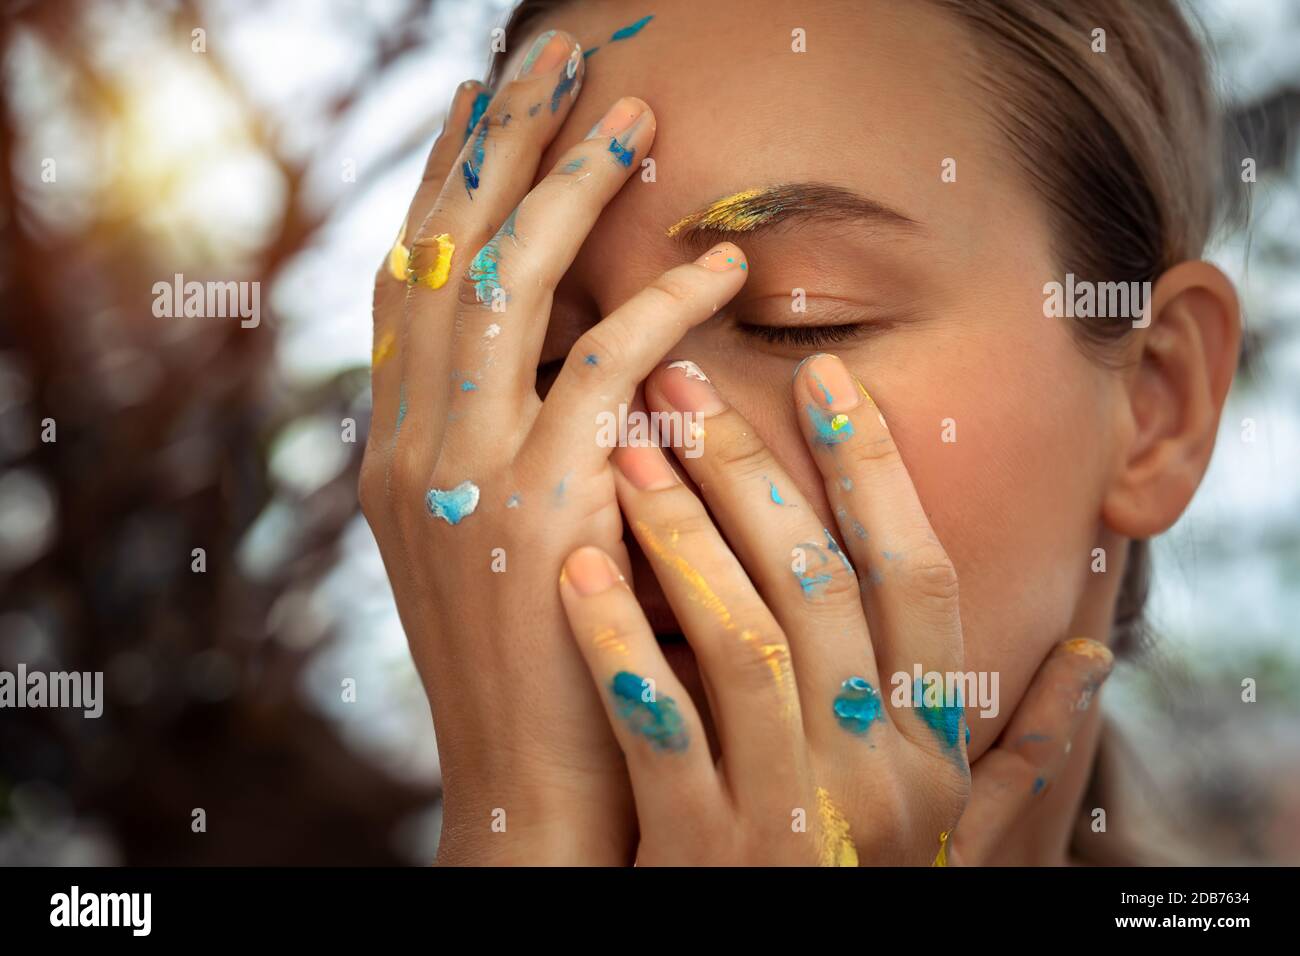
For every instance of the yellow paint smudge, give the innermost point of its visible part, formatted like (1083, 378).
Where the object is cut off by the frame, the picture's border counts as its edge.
(608, 640)
(942, 858)
(383, 348)
(435, 277)
(399, 257)
(701, 593)
(777, 657)
(1089, 648)
(835, 846)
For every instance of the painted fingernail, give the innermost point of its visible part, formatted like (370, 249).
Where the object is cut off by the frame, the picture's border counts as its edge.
(831, 385)
(645, 466)
(591, 571)
(688, 389)
(618, 118)
(724, 256)
(547, 52)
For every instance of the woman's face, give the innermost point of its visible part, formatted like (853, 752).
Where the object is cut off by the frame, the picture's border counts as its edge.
(1002, 421)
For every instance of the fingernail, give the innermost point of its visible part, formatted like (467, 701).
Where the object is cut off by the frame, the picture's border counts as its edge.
(590, 571)
(688, 389)
(831, 385)
(645, 466)
(724, 256)
(618, 118)
(547, 52)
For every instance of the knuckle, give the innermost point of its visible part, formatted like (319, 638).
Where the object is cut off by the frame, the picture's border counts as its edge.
(933, 576)
(605, 340)
(874, 452)
(672, 289)
(739, 450)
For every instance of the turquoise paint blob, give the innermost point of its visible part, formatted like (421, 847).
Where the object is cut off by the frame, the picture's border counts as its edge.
(622, 154)
(631, 30)
(513, 500)
(944, 719)
(657, 720)
(857, 706)
(468, 386)
(592, 360)
(484, 268)
(455, 505)
(476, 112)
(824, 431)
(846, 484)
(776, 495)
(573, 165)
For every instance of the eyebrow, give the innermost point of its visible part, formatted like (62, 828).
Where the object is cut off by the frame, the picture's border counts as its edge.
(754, 209)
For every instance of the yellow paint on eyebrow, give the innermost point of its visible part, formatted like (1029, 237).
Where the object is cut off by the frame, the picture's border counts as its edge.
(383, 348)
(436, 275)
(701, 593)
(835, 846)
(728, 213)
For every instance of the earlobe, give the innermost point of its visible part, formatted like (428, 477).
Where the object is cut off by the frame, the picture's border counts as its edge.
(1186, 361)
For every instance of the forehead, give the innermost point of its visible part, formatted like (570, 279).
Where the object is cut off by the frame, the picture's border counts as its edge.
(879, 98)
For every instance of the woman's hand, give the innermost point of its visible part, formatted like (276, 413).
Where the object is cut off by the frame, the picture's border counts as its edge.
(818, 763)
(476, 489)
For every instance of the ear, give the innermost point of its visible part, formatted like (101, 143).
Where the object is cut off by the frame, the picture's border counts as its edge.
(1176, 392)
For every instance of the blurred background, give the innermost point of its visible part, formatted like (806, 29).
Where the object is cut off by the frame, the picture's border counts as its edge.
(281, 145)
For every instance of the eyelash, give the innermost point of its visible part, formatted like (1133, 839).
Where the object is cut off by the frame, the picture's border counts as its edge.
(809, 336)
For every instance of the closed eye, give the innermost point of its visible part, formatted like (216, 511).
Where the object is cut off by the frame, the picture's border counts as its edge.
(805, 336)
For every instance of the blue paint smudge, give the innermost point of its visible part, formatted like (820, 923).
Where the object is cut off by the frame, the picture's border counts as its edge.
(631, 30)
(876, 577)
(835, 549)
(857, 705)
(657, 720)
(592, 360)
(573, 165)
(473, 166)
(621, 153)
(825, 432)
(455, 505)
(846, 484)
(944, 719)
(483, 268)
(513, 501)
(587, 53)
(890, 555)
(1038, 785)
(811, 582)
(826, 394)
(401, 409)
(468, 386)
(567, 79)
(561, 487)
(476, 112)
